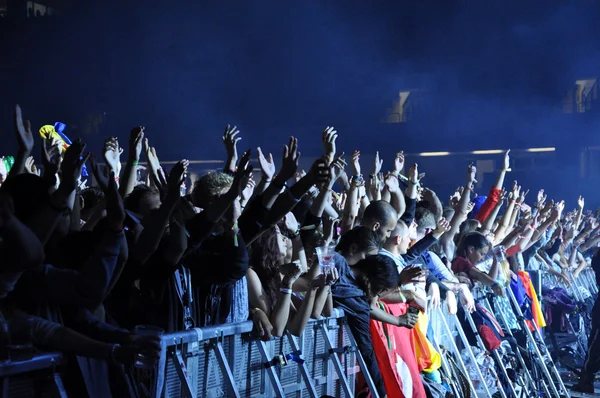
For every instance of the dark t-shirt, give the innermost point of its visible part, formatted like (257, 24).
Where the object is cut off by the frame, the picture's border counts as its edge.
(348, 296)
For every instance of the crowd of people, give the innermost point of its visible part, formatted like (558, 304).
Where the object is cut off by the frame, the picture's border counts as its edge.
(85, 268)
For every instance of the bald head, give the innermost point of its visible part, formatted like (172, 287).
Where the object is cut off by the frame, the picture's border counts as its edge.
(380, 217)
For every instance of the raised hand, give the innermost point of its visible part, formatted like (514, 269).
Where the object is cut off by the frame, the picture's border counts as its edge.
(177, 177)
(23, 132)
(336, 169)
(516, 190)
(151, 156)
(136, 139)
(413, 174)
(377, 164)
(230, 139)
(523, 196)
(319, 172)
(291, 272)
(329, 137)
(51, 158)
(267, 165)
(112, 154)
(471, 174)
(115, 212)
(399, 162)
(392, 183)
(101, 179)
(248, 190)
(581, 202)
(30, 166)
(443, 226)
(72, 164)
(242, 174)
(356, 162)
(541, 198)
(291, 158)
(506, 165)
(291, 224)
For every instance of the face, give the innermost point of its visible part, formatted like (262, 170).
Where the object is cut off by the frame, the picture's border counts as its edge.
(476, 256)
(404, 243)
(149, 203)
(282, 243)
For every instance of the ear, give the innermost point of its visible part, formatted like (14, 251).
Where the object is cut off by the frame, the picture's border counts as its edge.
(470, 250)
(376, 226)
(352, 249)
(396, 240)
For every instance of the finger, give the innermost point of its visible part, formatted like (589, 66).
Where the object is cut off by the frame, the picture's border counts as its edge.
(271, 158)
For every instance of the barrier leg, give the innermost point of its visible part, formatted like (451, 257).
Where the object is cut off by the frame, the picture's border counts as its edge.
(457, 352)
(312, 392)
(362, 364)
(60, 387)
(336, 361)
(182, 372)
(226, 369)
(497, 360)
(534, 344)
(262, 348)
(529, 385)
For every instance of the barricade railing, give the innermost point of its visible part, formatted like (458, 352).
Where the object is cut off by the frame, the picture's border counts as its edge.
(226, 360)
(32, 377)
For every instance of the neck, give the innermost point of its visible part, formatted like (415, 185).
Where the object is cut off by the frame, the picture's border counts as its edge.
(392, 249)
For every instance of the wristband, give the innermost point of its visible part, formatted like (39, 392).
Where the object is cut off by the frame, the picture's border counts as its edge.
(116, 179)
(295, 234)
(402, 297)
(285, 291)
(135, 163)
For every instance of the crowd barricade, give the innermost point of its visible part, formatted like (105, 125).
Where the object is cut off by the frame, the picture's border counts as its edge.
(226, 361)
(38, 376)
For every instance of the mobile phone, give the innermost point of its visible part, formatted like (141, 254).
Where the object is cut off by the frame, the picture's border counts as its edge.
(413, 310)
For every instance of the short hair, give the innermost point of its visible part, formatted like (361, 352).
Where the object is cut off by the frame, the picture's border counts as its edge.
(210, 185)
(378, 273)
(132, 201)
(380, 211)
(400, 230)
(92, 196)
(448, 213)
(425, 219)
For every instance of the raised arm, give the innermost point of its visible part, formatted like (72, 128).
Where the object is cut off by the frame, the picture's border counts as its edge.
(136, 138)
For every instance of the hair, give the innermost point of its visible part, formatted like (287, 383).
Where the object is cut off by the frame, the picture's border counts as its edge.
(210, 185)
(476, 240)
(361, 239)
(448, 213)
(376, 274)
(466, 227)
(380, 211)
(425, 219)
(264, 259)
(400, 230)
(91, 197)
(139, 193)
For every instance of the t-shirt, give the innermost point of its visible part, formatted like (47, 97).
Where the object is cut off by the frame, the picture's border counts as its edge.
(461, 264)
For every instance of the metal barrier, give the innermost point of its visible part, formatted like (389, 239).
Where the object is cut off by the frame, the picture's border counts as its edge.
(224, 360)
(34, 377)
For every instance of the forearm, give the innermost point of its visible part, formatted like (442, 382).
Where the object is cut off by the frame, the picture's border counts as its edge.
(321, 299)
(281, 313)
(154, 227)
(298, 323)
(487, 225)
(69, 341)
(380, 315)
(299, 253)
(129, 177)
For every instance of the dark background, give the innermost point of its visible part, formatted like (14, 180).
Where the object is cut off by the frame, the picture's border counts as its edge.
(492, 75)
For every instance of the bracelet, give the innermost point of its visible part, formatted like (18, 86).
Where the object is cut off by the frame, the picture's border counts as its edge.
(135, 163)
(253, 311)
(402, 297)
(347, 187)
(295, 234)
(285, 291)
(266, 180)
(116, 179)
